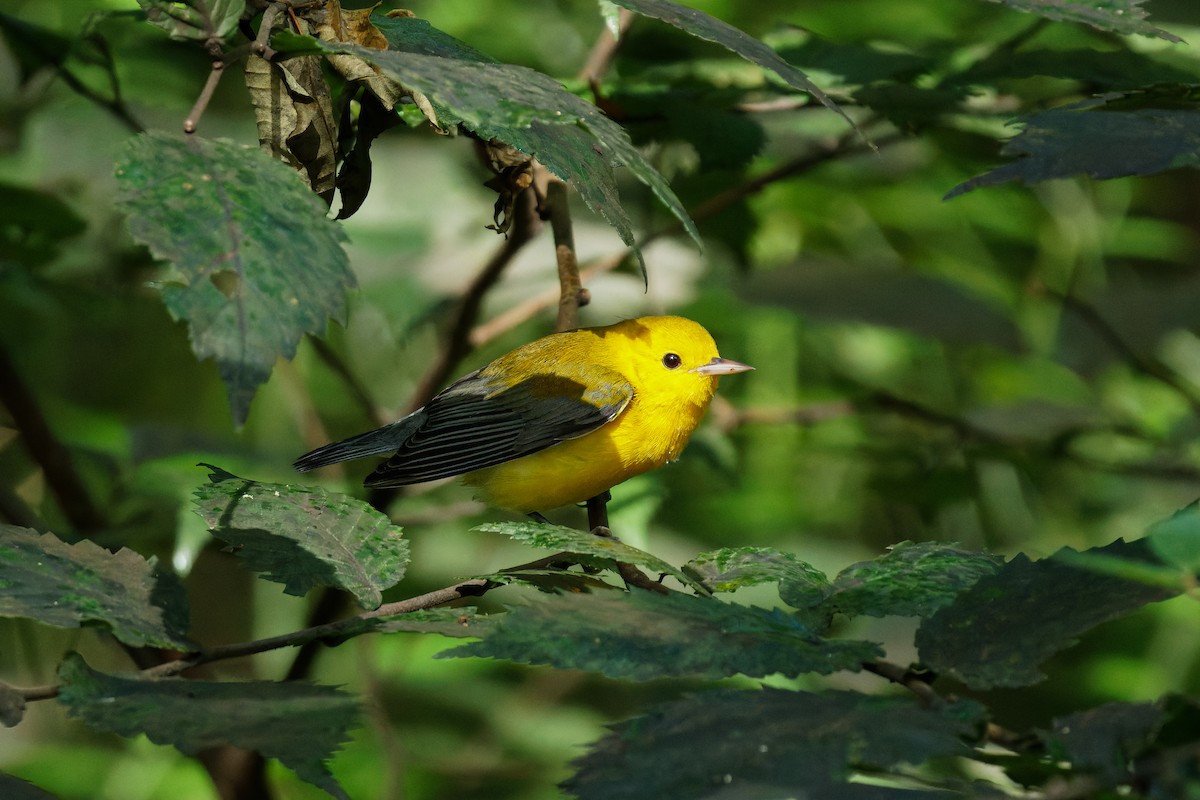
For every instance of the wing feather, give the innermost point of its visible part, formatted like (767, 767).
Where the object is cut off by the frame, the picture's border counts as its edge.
(478, 422)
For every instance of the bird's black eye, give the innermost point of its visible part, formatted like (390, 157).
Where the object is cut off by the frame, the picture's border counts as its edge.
(672, 361)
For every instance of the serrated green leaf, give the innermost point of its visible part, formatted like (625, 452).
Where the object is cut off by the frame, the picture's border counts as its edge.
(198, 20)
(731, 568)
(910, 580)
(1117, 16)
(305, 537)
(570, 540)
(996, 633)
(254, 262)
(522, 108)
(1088, 139)
(771, 743)
(69, 585)
(300, 724)
(711, 29)
(642, 635)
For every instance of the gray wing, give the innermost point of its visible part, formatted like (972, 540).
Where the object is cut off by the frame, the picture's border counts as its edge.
(478, 423)
(473, 425)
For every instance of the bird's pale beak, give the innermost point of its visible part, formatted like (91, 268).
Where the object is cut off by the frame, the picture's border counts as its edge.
(721, 366)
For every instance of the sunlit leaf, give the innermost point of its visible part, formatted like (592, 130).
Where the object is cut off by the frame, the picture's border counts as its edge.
(707, 27)
(254, 263)
(910, 580)
(771, 743)
(731, 568)
(1117, 16)
(195, 19)
(69, 585)
(571, 540)
(996, 633)
(642, 635)
(300, 724)
(305, 537)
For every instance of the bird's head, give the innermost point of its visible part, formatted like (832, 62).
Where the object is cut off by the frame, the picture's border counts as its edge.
(675, 359)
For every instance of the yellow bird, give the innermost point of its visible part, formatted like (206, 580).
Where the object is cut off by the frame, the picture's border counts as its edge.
(556, 421)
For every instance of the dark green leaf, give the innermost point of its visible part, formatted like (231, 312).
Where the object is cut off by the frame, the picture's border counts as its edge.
(711, 29)
(1114, 69)
(300, 724)
(771, 743)
(16, 789)
(1117, 16)
(911, 580)
(570, 540)
(195, 19)
(642, 635)
(1105, 739)
(996, 633)
(254, 262)
(731, 568)
(305, 537)
(522, 108)
(69, 585)
(36, 224)
(1087, 139)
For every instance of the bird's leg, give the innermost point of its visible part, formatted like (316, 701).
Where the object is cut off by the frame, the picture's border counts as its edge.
(597, 508)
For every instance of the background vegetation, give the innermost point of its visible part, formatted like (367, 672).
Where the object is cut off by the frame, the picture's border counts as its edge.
(960, 337)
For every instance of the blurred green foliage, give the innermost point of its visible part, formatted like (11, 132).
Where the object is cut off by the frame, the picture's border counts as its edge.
(1015, 369)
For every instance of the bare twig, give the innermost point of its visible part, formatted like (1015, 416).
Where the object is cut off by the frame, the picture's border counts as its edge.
(601, 56)
(458, 341)
(914, 681)
(214, 77)
(555, 208)
(848, 145)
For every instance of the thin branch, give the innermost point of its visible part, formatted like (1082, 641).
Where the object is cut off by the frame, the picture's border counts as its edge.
(45, 449)
(847, 145)
(214, 77)
(356, 388)
(916, 682)
(459, 343)
(556, 209)
(601, 56)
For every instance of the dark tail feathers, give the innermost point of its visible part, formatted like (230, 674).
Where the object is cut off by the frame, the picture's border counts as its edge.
(382, 440)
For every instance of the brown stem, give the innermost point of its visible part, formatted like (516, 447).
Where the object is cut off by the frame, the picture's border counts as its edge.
(601, 56)
(914, 681)
(597, 510)
(571, 294)
(45, 449)
(526, 225)
(715, 205)
(210, 86)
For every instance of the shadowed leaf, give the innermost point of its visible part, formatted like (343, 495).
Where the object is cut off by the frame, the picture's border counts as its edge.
(69, 585)
(300, 724)
(996, 633)
(254, 263)
(731, 568)
(771, 743)
(305, 537)
(643, 635)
